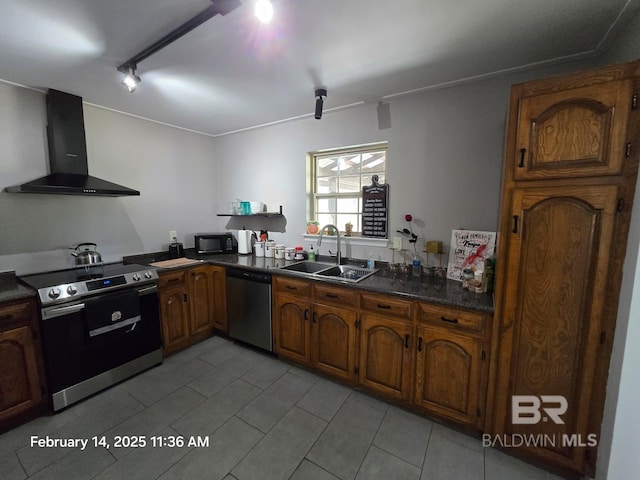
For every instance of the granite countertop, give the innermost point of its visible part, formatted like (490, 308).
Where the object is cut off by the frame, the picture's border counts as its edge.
(430, 289)
(12, 289)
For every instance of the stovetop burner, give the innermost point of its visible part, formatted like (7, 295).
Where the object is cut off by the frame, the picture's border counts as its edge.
(65, 285)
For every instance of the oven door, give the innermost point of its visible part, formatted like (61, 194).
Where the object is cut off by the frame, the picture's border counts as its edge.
(89, 337)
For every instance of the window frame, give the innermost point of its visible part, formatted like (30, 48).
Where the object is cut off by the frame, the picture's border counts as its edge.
(312, 178)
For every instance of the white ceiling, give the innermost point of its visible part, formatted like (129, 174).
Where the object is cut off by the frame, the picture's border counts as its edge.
(233, 73)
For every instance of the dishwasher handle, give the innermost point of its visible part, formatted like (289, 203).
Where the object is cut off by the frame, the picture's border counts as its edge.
(249, 275)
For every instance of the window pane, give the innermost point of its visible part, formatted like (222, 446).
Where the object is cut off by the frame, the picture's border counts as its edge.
(349, 184)
(326, 166)
(348, 205)
(327, 185)
(325, 218)
(326, 205)
(343, 219)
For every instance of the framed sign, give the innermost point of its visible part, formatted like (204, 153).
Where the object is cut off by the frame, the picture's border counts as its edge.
(375, 208)
(469, 249)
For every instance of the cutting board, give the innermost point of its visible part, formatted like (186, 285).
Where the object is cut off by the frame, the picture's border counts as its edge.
(176, 262)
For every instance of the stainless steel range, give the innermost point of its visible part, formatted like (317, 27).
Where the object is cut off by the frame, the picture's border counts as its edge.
(100, 325)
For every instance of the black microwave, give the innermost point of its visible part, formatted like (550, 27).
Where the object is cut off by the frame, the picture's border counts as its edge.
(215, 243)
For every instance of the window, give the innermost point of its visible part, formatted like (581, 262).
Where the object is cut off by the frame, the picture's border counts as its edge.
(337, 180)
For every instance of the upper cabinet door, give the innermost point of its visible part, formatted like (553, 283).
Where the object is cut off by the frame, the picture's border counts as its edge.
(575, 133)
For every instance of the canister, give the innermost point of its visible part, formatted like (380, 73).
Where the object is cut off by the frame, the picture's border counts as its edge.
(289, 253)
(258, 247)
(269, 249)
(279, 252)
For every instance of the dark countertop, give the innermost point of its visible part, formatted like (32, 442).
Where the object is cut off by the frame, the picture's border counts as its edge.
(12, 289)
(429, 289)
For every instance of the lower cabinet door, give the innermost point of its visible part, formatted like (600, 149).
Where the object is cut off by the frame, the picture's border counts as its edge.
(385, 356)
(291, 333)
(201, 301)
(20, 388)
(448, 375)
(333, 341)
(174, 312)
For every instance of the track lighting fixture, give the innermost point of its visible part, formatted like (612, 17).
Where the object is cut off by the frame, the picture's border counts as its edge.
(321, 94)
(130, 79)
(128, 68)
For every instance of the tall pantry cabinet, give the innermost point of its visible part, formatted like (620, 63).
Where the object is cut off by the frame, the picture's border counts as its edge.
(571, 159)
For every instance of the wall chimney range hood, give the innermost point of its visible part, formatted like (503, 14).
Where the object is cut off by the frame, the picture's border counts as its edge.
(68, 154)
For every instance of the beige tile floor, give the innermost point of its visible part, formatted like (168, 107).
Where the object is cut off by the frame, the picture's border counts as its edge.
(263, 419)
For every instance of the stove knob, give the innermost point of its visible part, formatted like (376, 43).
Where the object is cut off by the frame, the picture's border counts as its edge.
(54, 293)
(136, 277)
(71, 290)
(147, 275)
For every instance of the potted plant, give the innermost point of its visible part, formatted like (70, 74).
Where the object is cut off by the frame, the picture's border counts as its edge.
(348, 228)
(313, 227)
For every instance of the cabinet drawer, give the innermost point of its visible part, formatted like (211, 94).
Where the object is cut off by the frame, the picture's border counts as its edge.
(343, 297)
(15, 313)
(171, 278)
(292, 286)
(451, 317)
(386, 305)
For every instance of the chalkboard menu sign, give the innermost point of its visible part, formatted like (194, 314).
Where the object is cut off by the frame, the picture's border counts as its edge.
(375, 206)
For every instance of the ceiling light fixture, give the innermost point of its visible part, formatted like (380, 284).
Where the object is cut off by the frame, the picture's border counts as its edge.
(321, 94)
(222, 7)
(264, 10)
(130, 79)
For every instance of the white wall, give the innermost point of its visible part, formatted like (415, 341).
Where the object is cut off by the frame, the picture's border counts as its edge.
(173, 169)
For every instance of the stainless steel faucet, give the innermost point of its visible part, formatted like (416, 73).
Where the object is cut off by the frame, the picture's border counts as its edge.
(338, 254)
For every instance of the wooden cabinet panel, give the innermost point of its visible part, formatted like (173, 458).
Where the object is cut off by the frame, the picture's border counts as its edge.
(448, 375)
(339, 296)
(201, 308)
(385, 356)
(333, 341)
(219, 298)
(448, 317)
(554, 307)
(291, 330)
(174, 313)
(386, 305)
(22, 381)
(292, 286)
(20, 388)
(577, 132)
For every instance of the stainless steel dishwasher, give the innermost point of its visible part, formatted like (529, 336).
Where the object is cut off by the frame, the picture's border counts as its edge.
(249, 307)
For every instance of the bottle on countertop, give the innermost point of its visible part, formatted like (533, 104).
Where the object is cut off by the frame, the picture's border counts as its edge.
(371, 262)
(415, 266)
(311, 255)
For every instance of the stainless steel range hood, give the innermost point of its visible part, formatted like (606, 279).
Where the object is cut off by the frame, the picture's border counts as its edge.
(68, 154)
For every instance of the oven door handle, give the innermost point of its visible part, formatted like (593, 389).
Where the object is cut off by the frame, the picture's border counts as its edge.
(147, 290)
(60, 311)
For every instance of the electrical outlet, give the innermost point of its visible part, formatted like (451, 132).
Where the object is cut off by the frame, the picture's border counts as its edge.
(397, 243)
(173, 235)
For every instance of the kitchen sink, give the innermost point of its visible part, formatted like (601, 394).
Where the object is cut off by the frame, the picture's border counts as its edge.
(307, 267)
(347, 273)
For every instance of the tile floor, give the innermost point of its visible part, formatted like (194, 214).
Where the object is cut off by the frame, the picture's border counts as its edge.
(264, 419)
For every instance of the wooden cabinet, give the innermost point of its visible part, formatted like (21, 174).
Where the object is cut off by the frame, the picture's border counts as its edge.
(192, 304)
(571, 133)
(22, 383)
(174, 310)
(291, 329)
(386, 347)
(449, 374)
(564, 221)
(333, 332)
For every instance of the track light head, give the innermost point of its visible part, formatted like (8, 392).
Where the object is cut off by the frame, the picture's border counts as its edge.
(130, 79)
(321, 94)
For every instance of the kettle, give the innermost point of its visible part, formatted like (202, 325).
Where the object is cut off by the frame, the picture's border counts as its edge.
(244, 242)
(85, 255)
